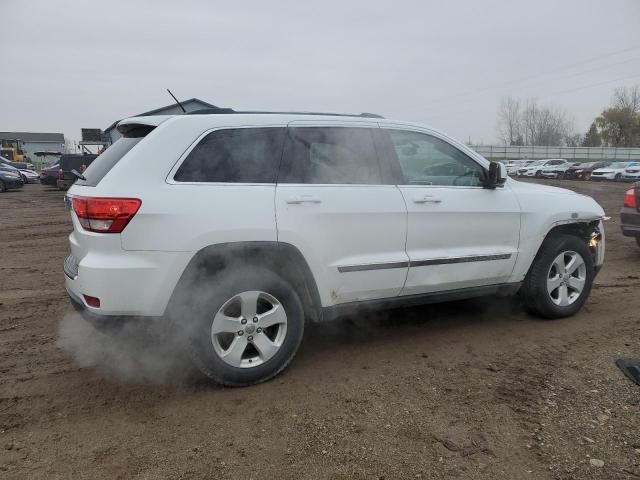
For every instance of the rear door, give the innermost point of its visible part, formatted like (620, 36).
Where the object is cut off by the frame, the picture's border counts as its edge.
(336, 204)
(459, 234)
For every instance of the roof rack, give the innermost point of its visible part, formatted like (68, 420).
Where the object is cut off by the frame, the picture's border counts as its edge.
(218, 111)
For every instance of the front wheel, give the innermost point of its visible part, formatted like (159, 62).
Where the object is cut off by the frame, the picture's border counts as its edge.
(538, 174)
(560, 278)
(248, 327)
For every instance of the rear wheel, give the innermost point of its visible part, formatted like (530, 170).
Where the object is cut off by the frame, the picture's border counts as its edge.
(560, 278)
(248, 327)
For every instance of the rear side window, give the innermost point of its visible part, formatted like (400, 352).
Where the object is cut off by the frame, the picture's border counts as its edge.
(106, 161)
(330, 155)
(243, 155)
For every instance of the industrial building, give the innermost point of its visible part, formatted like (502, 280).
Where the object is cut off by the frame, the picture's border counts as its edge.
(111, 134)
(32, 142)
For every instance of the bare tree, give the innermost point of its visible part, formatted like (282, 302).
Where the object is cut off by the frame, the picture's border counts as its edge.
(624, 97)
(509, 120)
(543, 125)
(530, 116)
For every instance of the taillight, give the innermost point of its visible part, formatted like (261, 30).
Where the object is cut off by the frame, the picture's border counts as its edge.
(630, 198)
(105, 215)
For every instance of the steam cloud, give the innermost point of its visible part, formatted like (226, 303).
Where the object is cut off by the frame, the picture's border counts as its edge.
(128, 354)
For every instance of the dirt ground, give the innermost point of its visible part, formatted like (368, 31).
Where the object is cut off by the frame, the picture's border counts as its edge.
(470, 390)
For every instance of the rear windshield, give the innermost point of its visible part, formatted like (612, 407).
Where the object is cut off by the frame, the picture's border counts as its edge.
(107, 160)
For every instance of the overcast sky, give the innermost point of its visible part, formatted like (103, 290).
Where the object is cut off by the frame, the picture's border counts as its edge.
(443, 63)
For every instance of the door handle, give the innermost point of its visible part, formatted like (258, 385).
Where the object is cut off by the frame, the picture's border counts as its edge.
(303, 199)
(427, 199)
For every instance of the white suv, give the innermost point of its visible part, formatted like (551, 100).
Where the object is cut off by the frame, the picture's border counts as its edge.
(237, 227)
(536, 168)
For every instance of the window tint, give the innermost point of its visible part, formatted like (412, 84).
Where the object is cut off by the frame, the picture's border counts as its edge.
(242, 155)
(331, 155)
(105, 161)
(427, 160)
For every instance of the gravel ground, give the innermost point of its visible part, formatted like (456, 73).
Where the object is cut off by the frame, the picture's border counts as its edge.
(473, 390)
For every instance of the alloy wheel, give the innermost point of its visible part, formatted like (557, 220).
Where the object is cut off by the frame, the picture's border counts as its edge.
(249, 329)
(566, 278)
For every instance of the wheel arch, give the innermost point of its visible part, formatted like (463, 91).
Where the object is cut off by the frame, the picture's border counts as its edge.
(583, 229)
(282, 258)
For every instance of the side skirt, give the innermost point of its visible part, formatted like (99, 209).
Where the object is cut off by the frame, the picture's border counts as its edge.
(502, 289)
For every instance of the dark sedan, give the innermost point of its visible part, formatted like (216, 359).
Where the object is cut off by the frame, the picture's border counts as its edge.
(9, 178)
(630, 214)
(583, 171)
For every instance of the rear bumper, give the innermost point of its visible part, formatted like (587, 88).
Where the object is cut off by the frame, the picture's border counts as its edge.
(127, 283)
(64, 184)
(630, 220)
(48, 180)
(112, 324)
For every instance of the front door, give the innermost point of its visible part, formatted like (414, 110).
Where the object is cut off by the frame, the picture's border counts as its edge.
(459, 234)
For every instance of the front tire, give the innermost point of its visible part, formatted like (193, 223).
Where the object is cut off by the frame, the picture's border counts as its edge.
(538, 174)
(560, 278)
(248, 325)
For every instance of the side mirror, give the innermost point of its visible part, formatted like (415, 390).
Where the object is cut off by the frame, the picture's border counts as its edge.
(496, 176)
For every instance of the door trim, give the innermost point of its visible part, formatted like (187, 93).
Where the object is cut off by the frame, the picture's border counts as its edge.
(423, 263)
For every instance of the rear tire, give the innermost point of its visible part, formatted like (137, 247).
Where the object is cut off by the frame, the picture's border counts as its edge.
(219, 315)
(560, 278)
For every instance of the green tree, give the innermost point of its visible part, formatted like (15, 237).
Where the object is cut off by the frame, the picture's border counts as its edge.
(619, 127)
(592, 137)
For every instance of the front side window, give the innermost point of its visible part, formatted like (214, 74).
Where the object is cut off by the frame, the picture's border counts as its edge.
(330, 155)
(427, 160)
(242, 155)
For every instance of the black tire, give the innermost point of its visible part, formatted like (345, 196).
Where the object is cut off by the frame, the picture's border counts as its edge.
(538, 174)
(3, 187)
(208, 300)
(638, 241)
(534, 289)
(618, 177)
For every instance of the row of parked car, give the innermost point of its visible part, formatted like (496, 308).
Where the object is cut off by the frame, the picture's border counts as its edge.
(15, 175)
(560, 168)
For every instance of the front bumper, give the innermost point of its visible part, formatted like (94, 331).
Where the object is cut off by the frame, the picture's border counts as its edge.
(13, 183)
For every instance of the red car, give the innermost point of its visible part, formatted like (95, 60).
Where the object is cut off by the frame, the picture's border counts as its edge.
(630, 214)
(49, 176)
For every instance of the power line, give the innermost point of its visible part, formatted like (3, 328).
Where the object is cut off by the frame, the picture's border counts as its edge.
(525, 79)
